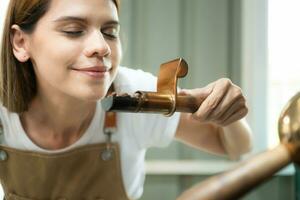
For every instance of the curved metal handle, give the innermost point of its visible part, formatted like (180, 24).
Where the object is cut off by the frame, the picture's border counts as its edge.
(236, 182)
(167, 80)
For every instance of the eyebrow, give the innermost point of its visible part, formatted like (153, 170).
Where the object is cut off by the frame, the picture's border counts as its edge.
(82, 19)
(70, 18)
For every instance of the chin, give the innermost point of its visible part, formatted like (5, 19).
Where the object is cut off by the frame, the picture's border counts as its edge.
(96, 97)
(93, 93)
(90, 97)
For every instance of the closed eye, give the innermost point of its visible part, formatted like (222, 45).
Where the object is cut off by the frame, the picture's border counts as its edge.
(111, 32)
(73, 33)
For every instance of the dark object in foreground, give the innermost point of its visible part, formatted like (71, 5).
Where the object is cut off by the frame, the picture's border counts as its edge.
(151, 102)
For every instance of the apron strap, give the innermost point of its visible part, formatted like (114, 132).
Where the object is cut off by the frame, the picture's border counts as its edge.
(110, 121)
(1, 132)
(110, 127)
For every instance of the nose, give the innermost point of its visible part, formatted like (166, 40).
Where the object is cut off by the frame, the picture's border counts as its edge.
(97, 45)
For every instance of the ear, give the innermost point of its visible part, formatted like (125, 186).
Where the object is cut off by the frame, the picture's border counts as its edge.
(19, 41)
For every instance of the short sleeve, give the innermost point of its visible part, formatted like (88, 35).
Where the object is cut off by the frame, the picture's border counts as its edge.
(149, 130)
(155, 130)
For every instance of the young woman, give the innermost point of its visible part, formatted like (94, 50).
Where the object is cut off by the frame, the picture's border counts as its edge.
(58, 59)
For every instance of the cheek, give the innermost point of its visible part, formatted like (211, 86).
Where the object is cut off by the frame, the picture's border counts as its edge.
(116, 57)
(51, 62)
(116, 54)
(54, 52)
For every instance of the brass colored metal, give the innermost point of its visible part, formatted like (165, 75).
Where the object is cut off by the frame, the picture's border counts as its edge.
(289, 121)
(236, 182)
(167, 79)
(165, 100)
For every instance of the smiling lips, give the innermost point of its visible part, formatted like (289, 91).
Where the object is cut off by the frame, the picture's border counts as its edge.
(94, 72)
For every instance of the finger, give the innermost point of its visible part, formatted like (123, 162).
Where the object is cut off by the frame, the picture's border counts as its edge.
(232, 100)
(232, 97)
(238, 105)
(236, 116)
(184, 92)
(199, 93)
(212, 101)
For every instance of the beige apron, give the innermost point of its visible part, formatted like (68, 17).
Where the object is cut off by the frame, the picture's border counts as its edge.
(90, 172)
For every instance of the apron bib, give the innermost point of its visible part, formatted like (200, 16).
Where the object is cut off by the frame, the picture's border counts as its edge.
(91, 172)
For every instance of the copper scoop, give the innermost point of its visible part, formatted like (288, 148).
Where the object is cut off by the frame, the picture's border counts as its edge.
(165, 100)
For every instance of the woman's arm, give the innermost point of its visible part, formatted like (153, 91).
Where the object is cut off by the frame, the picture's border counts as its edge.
(218, 125)
(233, 140)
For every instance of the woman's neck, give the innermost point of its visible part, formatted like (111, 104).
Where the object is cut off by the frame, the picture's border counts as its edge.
(57, 123)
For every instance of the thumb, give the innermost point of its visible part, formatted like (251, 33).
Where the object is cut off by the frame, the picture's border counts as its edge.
(184, 92)
(199, 93)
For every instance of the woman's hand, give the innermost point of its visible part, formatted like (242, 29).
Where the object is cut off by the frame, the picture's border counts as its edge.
(221, 102)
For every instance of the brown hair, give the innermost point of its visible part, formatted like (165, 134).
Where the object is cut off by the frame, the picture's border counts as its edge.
(17, 80)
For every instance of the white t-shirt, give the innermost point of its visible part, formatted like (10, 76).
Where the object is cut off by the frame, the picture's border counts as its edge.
(135, 131)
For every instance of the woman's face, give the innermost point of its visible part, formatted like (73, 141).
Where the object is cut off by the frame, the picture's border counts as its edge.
(75, 48)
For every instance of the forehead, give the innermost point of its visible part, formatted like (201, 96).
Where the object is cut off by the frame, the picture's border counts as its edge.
(90, 9)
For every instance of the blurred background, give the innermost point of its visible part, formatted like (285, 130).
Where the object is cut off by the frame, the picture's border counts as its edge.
(253, 42)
